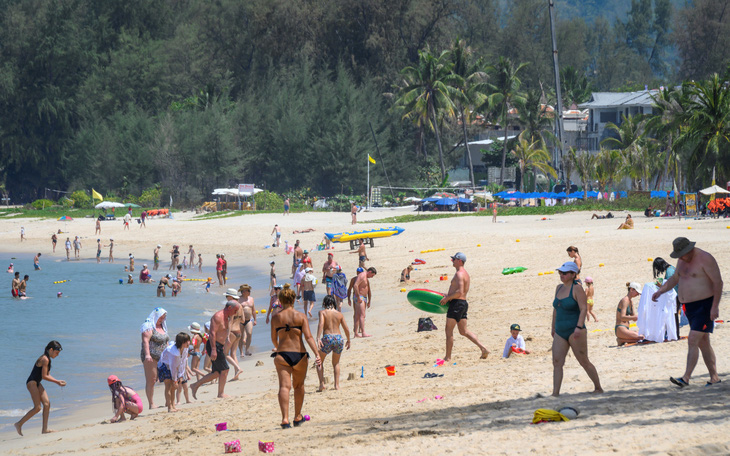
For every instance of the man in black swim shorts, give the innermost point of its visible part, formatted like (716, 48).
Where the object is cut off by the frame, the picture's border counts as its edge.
(700, 288)
(456, 300)
(220, 330)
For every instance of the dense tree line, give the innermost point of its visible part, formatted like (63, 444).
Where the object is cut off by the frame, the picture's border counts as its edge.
(196, 94)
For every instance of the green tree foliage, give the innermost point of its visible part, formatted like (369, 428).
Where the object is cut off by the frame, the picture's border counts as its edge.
(120, 95)
(80, 199)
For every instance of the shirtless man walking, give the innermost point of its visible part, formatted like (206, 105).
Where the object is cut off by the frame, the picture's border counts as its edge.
(98, 251)
(353, 211)
(456, 300)
(219, 332)
(249, 318)
(362, 300)
(297, 258)
(700, 288)
(328, 271)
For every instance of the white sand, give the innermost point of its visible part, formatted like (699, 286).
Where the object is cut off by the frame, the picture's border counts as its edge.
(487, 405)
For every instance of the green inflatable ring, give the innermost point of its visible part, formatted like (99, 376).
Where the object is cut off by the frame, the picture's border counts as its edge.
(427, 300)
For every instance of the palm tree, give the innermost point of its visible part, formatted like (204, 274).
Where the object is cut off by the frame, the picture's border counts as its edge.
(575, 86)
(609, 163)
(585, 165)
(471, 89)
(531, 155)
(427, 93)
(505, 92)
(668, 114)
(707, 135)
(630, 140)
(532, 115)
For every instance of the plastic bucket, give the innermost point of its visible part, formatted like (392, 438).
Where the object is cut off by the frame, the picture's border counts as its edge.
(390, 370)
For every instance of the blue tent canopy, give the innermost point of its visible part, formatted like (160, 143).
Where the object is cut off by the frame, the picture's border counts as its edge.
(429, 200)
(464, 200)
(446, 202)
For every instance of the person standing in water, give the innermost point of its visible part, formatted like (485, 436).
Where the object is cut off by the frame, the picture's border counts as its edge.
(156, 257)
(111, 250)
(41, 371)
(458, 307)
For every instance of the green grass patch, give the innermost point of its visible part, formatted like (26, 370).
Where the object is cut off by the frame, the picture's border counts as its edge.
(57, 212)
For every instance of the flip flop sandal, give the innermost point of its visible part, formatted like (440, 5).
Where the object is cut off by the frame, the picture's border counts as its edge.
(679, 381)
(286, 426)
(429, 375)
(299, 423)
(710, 383)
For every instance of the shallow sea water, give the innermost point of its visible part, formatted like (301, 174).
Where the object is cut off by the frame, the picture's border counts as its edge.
(97, 322)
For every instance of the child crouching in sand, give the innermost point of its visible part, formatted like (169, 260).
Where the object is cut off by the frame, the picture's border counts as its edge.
(329, 338)
(124, 400)
(171, 368)
(515, 343)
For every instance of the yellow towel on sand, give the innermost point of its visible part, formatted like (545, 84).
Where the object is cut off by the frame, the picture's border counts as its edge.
(548, 415)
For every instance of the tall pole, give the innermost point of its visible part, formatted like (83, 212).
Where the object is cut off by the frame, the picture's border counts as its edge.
(558, 154)
(368, 189)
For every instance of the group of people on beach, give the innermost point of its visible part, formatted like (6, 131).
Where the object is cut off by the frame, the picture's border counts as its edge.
(206, 353)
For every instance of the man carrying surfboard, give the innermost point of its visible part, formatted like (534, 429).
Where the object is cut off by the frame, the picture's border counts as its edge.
(456, 300)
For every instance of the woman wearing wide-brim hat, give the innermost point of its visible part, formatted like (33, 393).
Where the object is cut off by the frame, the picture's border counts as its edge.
(568, 327)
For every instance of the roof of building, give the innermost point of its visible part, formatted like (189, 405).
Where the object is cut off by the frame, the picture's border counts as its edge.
(616, 99)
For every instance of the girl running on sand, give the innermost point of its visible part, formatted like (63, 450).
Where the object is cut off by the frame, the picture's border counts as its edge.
(41, 371)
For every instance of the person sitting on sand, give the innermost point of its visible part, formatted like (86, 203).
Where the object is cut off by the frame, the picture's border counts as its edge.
(41, 371)
(287, 329)
(625, 315)
(329, 338)
(405, 275)
(171, 367)
(607, 216)
(515, 343)
(124, 400)
(628, 224)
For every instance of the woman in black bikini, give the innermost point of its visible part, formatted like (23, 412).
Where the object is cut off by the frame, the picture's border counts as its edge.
(287, 328)
(41, 371)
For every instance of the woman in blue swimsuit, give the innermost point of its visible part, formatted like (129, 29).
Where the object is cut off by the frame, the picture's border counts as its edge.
(290, 357)
(568, 328)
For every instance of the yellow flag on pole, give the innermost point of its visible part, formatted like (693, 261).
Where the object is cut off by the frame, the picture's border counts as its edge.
(372, 160)
(96, 195)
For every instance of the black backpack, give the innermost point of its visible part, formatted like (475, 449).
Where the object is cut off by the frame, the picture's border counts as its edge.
(425, 324)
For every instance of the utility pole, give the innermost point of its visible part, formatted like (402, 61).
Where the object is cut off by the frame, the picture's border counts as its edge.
(558, 153)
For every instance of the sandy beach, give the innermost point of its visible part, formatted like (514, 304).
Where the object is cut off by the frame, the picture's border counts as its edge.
(486, 405)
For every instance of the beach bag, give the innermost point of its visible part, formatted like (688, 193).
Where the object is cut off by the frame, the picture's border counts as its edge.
(339, 285)
(426, 324)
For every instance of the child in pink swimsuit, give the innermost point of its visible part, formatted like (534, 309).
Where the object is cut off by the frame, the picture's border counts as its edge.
(124, 400)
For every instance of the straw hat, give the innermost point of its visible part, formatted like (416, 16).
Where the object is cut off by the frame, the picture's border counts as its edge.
(232, 292)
